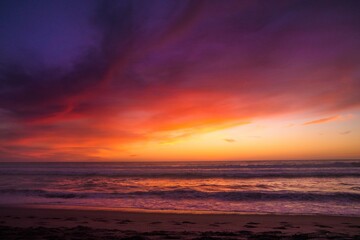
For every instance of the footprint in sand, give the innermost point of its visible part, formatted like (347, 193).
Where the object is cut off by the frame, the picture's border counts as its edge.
(221, 223)
(322, 226)
(285, 225)
(214, 225)
(354, 226)
(100, 220)
(244, 232)
(272, 233)
(324, 232)
(251, 224)
(280, 228)
(187, 222)
(155, 222)
(126, 221)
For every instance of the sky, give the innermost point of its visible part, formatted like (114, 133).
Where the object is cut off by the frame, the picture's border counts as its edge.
(162, 80)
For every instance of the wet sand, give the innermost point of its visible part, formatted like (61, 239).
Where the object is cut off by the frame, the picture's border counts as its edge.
(89, 223)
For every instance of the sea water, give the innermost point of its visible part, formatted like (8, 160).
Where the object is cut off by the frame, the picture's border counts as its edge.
(256, 187)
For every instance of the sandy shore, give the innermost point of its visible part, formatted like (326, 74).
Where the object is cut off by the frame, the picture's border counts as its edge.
(48, 223)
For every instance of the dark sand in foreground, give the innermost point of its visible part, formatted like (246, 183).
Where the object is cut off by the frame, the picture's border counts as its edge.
(46, 223)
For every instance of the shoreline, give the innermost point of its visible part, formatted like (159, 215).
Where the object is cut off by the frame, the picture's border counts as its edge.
(161, 211)
(42, 223)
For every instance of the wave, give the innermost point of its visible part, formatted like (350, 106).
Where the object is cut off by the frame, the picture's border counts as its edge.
(290, 173)
(237, 170)
(241, 165)
(181, 194)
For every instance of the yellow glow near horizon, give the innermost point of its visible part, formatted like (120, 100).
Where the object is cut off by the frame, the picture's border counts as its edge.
(267, 139)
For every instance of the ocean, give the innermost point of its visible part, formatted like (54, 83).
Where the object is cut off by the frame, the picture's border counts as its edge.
(254, 187)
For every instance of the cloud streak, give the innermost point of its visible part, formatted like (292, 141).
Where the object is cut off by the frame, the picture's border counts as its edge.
(345, 132)
(322, 120)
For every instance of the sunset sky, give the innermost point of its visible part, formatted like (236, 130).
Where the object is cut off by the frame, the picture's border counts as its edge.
(179, 80)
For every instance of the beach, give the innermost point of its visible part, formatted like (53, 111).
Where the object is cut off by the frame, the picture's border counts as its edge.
(46, 222)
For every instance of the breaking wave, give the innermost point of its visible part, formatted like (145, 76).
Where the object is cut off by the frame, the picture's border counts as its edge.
(193, 194)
